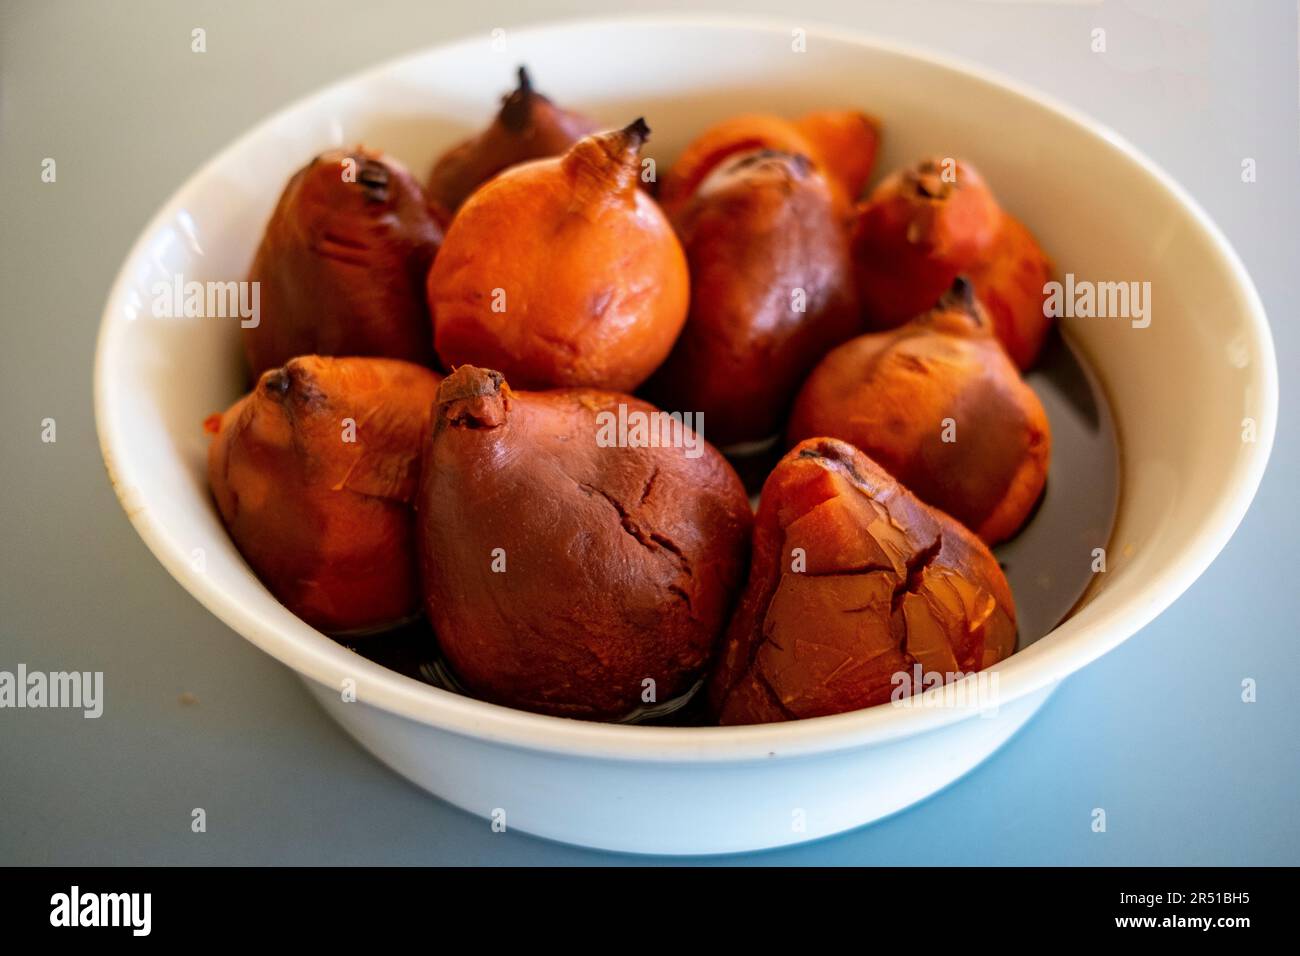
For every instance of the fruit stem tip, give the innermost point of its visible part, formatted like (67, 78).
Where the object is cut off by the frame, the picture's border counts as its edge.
(637, 130)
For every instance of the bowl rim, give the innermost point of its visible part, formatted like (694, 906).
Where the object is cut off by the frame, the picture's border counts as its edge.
(316, 657)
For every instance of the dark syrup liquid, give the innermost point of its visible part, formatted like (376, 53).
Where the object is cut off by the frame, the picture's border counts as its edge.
(1049, 564)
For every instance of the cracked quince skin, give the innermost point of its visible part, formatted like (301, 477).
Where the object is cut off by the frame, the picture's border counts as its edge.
(560, 574)
(853, 581)
(890, 394)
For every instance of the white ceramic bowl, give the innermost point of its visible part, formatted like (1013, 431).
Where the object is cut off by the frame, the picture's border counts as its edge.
(1179, 389)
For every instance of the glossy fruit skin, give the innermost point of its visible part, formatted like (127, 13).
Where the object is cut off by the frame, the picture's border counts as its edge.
(342, 264)
(621, 564)
(528, 126)
(842, 143)
(920, 229)
(1010, 280)
(561, 272)
(845, 146)
(327, 523)
(924, 226)
(771, 290)
(889, 584)
(897, 396)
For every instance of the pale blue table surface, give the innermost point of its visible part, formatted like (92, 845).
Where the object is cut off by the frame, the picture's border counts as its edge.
(1155, 732)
